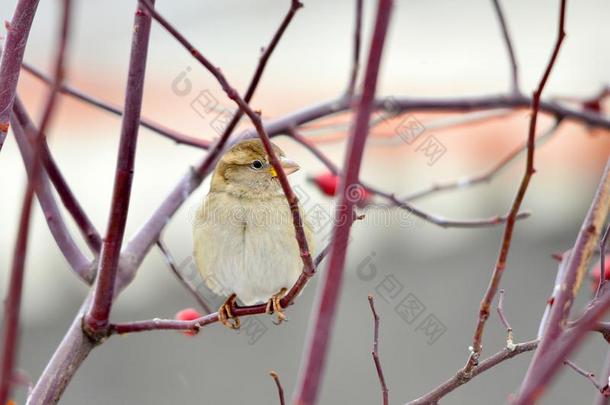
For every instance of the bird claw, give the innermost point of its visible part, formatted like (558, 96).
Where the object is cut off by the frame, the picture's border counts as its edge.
(225, 313)
(274, 306)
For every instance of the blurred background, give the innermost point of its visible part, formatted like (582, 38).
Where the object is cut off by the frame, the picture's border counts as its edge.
(434, 49)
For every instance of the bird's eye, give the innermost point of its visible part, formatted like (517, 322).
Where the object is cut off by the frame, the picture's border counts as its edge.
(257, 164)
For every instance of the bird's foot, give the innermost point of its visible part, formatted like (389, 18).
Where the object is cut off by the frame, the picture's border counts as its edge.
(225, 313)
(274, 306)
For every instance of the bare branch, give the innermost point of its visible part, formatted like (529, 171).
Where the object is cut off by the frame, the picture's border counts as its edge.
(86, 227)
(587, 374)
(15, 289)
(510, 223)
(484, 177)
(66, 244)
(96, 320)
(557, 344)
(176, 136)
(351, 86)
(329, 289)
(280, 390)
(375, 353)
(602, 261)
(509, 47)
(14, 48)
(509, 330)
(169, 259)
(462, 378)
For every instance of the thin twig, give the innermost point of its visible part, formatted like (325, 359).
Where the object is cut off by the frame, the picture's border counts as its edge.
(280, 390)
(602, 261)
(85, 225)
(510, 223)
(462, 378)
(169, 259)
(603, 397)
(329, 289)
(14, 48)
(174, 135)
(510, 344)
(484, 177)
(96, 319)
(375, 353)
(587, 374)
(15, 289)
(400, 203)
(509, 47)
(52, 214)
(558, 341)
(351, 86)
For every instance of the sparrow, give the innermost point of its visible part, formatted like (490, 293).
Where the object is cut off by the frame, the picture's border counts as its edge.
(243, 234)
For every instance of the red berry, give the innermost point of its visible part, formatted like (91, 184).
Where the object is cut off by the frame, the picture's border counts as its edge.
(595, 273)
(327, 182)
(188, 314)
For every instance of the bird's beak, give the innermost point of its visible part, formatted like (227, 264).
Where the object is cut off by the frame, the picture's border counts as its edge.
(289, 166)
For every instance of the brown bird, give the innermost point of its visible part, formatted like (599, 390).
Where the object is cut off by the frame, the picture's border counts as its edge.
(243, 234)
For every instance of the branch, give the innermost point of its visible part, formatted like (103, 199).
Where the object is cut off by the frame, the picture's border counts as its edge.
(484, 177)
(86, 227)
(329, 289)
(15, 289)
(603, 397)
(462, 378)
(176, 136)
(169, 259)
(510, 223)
(602, 261)
(96, 319)
(432, 218)
(14, 48)
(556, 344)
(351, 86)
(588, 375)
(77, 261)
(375, 353)
(280, 390)
(509, 47)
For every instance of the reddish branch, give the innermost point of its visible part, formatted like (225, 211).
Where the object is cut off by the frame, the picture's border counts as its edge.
(18, 31)
(510, 223)
(557, 343)
(602, 261)
(462, 378)
(13, 300)
(484, 177)
(280, 390)
(86, 227)
(169, 259)
(329, 290)
(375, 353)
(176, 136)
(402, 202)
(77, 261)
(96, 319)
(351, 86)
(587, 374)
(509, 47)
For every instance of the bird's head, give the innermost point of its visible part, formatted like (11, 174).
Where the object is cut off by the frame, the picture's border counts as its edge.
(244, 170)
